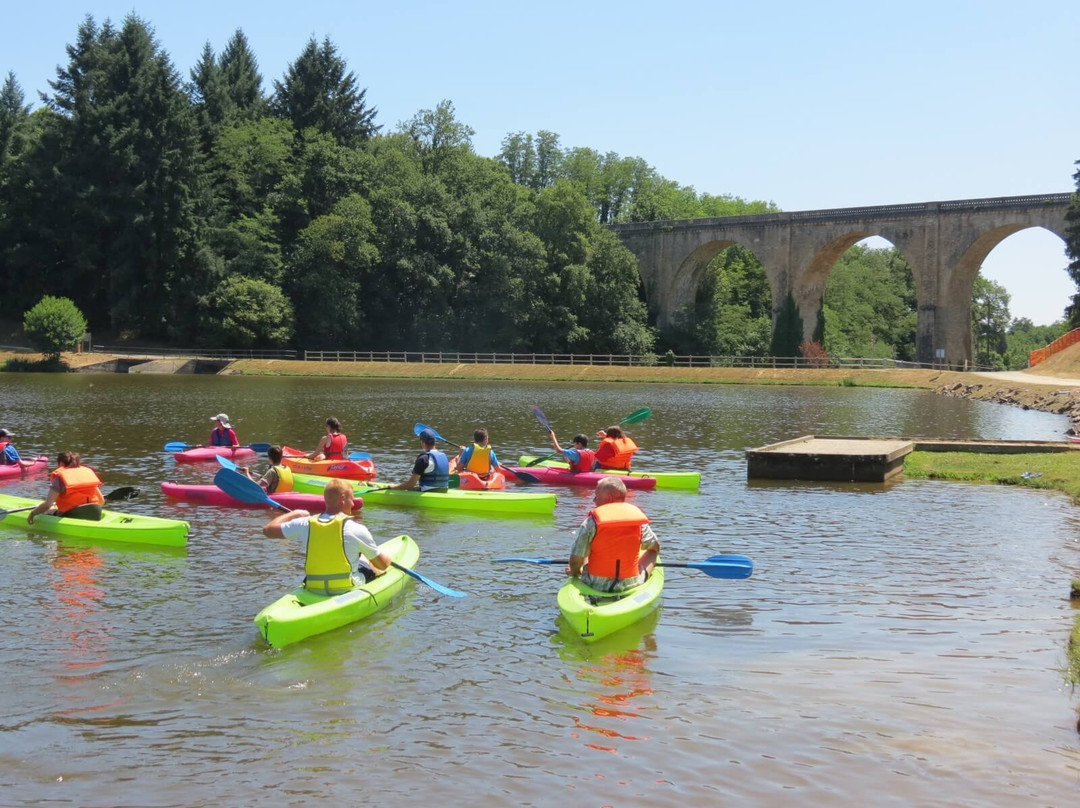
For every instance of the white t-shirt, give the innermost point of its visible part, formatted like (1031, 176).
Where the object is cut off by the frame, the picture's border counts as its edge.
(359, 544)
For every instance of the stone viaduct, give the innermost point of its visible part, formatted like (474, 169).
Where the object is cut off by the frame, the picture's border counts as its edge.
(944, 243)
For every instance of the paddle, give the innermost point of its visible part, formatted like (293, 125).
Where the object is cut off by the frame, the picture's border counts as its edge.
(354, 456)
(240, 487)
(180, 446)
(126, 492)
(718, 566)
(635, 417)
(418, 428)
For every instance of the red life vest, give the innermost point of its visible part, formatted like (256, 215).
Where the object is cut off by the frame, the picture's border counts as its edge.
(617, 544)
(585, 460)
(615, 453)
(81, 487)
(335, 449)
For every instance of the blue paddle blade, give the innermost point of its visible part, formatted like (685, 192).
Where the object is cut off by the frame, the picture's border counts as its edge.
(261, 448)
(354, 456)
(533, 560)
(454, 593)
(224, 461)
(239, 487)
(538, 414)
(177, 446)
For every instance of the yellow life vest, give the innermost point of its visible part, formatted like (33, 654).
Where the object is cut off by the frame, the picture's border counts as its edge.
(327, 569)
(284, 480)
(479, 460)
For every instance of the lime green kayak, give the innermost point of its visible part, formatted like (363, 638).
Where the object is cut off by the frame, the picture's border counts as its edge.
(593, 614)
(455, 499)
(664, 479)
(302, 613)
(113, 526)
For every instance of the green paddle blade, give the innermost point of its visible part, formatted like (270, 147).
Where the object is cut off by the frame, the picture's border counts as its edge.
(636, 417)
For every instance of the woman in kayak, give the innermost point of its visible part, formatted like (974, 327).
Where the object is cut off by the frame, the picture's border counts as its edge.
(9, 455)
(580, 458)
(615, 450)
(333, 443)
(278, 478)
(614, 549)
(74, 491)
(223, 434)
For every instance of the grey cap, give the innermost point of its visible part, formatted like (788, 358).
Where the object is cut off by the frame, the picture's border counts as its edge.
(5, 434)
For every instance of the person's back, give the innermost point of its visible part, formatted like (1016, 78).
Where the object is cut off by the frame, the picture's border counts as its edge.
(616, 449)
(479, 458)
(614, 549)
(431, 469)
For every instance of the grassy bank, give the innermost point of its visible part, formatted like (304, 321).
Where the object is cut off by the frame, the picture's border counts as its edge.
(1049, 471)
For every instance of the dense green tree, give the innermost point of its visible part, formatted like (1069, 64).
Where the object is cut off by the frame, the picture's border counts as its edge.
(989, 322)
(1024, 336)
(319, 91)
(14, 115)
(1072, 249)
(732, 315)
(241, 78)
(54, 325)
(614, 313)
(869, 306)
(244, 313)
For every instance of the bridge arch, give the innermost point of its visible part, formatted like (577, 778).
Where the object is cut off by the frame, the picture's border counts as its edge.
(687, 279)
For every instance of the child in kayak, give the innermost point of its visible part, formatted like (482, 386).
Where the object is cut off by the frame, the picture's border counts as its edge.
(9, 455)
(478, 457)
(74, 491)
(580, 458)
(430, 471)
(278, 478)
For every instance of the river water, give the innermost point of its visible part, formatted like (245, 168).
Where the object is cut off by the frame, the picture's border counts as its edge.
(898, 644)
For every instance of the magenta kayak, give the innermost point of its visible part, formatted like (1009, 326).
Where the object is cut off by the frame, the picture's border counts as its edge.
(17, 470)
(588, 479)
(212, 495)
(208, 453)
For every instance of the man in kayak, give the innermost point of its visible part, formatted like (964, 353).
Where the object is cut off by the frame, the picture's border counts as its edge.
(580, 458)
(615, 450)
(431, 471)
(74, 490)
(614, 549)
(340, 553)
(278, 478)
(9, 455)
(478, 457)
(223, 434)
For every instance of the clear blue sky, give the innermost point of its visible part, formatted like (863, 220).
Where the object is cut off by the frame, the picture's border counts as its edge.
(807, 104)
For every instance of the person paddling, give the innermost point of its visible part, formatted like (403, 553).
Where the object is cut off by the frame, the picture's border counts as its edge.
(431, 469)
(615, 450)
(615, 548)
(74, 491)
(223, 433)
(580, 458)
(479, 457)
(333, 443)
(278, 478)
(340, 553)
(9, 455)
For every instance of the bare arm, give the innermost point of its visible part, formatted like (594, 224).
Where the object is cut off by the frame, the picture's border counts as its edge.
(554, 441)
(409, 486)
(272, 529)
(50, 500)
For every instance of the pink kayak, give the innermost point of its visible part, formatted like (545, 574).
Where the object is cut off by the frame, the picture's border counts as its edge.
(212, 495)
(18, 469)
(588, 479)
(208, 453)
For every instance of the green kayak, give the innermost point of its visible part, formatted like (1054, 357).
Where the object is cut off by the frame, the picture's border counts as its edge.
(593, 614)
(457, 499)
(120, 527)
(302, 613)
(664, 479)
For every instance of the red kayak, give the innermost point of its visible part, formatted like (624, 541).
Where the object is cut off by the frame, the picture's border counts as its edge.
(18, 469)
(588, 479)
(208, 453)
(212, 495)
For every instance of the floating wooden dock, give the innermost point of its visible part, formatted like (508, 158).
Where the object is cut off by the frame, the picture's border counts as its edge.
(868, 460)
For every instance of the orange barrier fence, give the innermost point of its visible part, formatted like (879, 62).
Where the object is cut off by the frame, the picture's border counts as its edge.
(1060, 344)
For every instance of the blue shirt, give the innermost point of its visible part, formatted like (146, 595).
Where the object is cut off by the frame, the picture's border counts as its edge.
(10, 456)
(467, 453)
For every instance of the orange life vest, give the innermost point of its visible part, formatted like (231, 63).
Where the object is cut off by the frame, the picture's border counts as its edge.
(615, 548)
(81, 487)
(615, 453)
(479, 460)
(335, 449)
